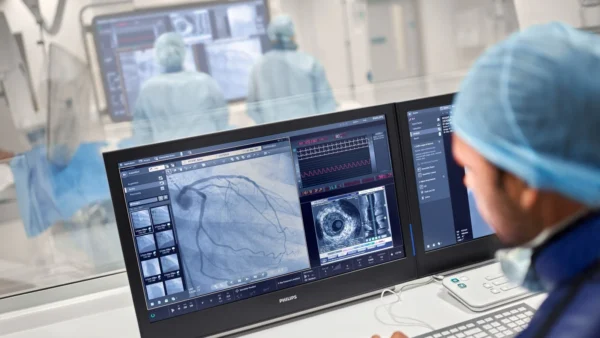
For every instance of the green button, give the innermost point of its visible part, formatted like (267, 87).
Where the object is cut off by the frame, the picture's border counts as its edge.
(152, 315)
(454, 280)
(462, 285)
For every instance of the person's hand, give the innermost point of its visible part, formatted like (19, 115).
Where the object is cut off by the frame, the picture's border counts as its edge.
(395, 335)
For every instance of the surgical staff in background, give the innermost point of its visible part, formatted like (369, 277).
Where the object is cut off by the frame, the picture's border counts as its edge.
(527, 128)
(286, 83)
(177, 103)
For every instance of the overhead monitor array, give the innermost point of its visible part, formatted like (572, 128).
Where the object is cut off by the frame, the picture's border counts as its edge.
(223, 40)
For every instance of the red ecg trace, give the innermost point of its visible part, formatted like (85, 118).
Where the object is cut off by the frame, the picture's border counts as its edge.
(335, 168)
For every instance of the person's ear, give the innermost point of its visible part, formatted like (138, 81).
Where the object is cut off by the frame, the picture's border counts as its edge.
(529, 197)
(520, 192)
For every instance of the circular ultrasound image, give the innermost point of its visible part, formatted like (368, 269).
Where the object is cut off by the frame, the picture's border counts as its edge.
(338, 223)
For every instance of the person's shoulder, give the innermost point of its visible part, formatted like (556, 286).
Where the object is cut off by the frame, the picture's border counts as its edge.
(580, 317)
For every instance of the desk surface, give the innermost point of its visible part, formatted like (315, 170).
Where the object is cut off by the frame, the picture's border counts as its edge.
(111, 314)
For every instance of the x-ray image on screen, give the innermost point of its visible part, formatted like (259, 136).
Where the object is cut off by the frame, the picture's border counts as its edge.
(138, 66)
(165, 239)
(160, 215)
(141, 219)
(174, 286)
(230, 64)
(237, 220)
(242, 21)
(193, 26)
(169, 263)
(151, 267)
(155, 290)
(146, 243)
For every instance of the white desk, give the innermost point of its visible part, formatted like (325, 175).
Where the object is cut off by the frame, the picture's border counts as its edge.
(110, 314)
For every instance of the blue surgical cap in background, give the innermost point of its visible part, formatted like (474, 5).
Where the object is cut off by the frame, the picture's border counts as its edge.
(531, 106)
(170, 52)
(281, 29)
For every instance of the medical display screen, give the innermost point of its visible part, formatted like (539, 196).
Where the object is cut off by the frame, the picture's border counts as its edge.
(230, 222)
(448, 211)
(223, 40)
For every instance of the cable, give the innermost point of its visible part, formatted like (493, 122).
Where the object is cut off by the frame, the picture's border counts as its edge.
(402, 320)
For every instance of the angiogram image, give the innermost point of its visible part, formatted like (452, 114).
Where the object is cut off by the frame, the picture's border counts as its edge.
(169, 263)
(141, 219)
(155, 290)
(237, 220)
(231, 63)
(160, 215)
(151, 267)
(174, 286)
(146, 243)
(350, 221)
(165, 239)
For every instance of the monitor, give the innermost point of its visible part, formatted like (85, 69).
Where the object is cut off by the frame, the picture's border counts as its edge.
(263, 222)
(450, 231)
(224, 40)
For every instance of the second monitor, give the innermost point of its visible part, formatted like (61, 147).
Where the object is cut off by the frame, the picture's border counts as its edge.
(450, 231)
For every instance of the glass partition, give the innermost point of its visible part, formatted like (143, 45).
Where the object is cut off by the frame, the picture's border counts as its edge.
(121, 75)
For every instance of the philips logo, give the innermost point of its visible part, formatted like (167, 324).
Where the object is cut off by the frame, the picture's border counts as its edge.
(288, 299)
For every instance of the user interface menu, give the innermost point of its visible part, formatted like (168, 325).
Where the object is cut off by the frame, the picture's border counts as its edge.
(448, 211)
(225, 223)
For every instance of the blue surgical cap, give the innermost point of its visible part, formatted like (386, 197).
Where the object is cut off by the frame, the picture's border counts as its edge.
(531, 106)
(281, 29)
(170, 51)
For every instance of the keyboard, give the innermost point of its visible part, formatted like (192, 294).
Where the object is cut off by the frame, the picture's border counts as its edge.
(505, 323)
(483, 288)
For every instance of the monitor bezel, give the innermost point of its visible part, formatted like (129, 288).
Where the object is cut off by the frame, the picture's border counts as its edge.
(447, 258)
(234, 316)
(150, 10)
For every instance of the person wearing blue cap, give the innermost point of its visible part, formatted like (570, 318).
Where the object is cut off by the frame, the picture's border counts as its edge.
(526, 124)
(177, 103)
(286, 83)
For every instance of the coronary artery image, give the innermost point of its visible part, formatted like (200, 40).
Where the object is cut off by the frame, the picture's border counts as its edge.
(238, 222)
(352, 224)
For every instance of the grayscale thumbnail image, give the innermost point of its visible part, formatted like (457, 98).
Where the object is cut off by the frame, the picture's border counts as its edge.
(165, 239)
(145, 243)
(141, 219)
(174, 286)
(161, 215)
(155, 290)
(237, 220)
(151, 267)
(169, 263)
(350, 221)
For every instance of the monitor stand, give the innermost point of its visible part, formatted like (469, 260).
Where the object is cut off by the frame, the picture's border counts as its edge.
(483, 288)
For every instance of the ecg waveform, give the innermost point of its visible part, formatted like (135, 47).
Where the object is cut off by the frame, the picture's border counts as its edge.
(334, 161)
(332, 148)
(335, 168)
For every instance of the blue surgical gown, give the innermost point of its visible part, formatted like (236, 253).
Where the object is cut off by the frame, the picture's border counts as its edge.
(288, 84)
(178, 105)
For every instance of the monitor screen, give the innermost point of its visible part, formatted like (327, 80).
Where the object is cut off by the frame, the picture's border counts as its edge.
(233, 221)
(224, 40)
(448, 211)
